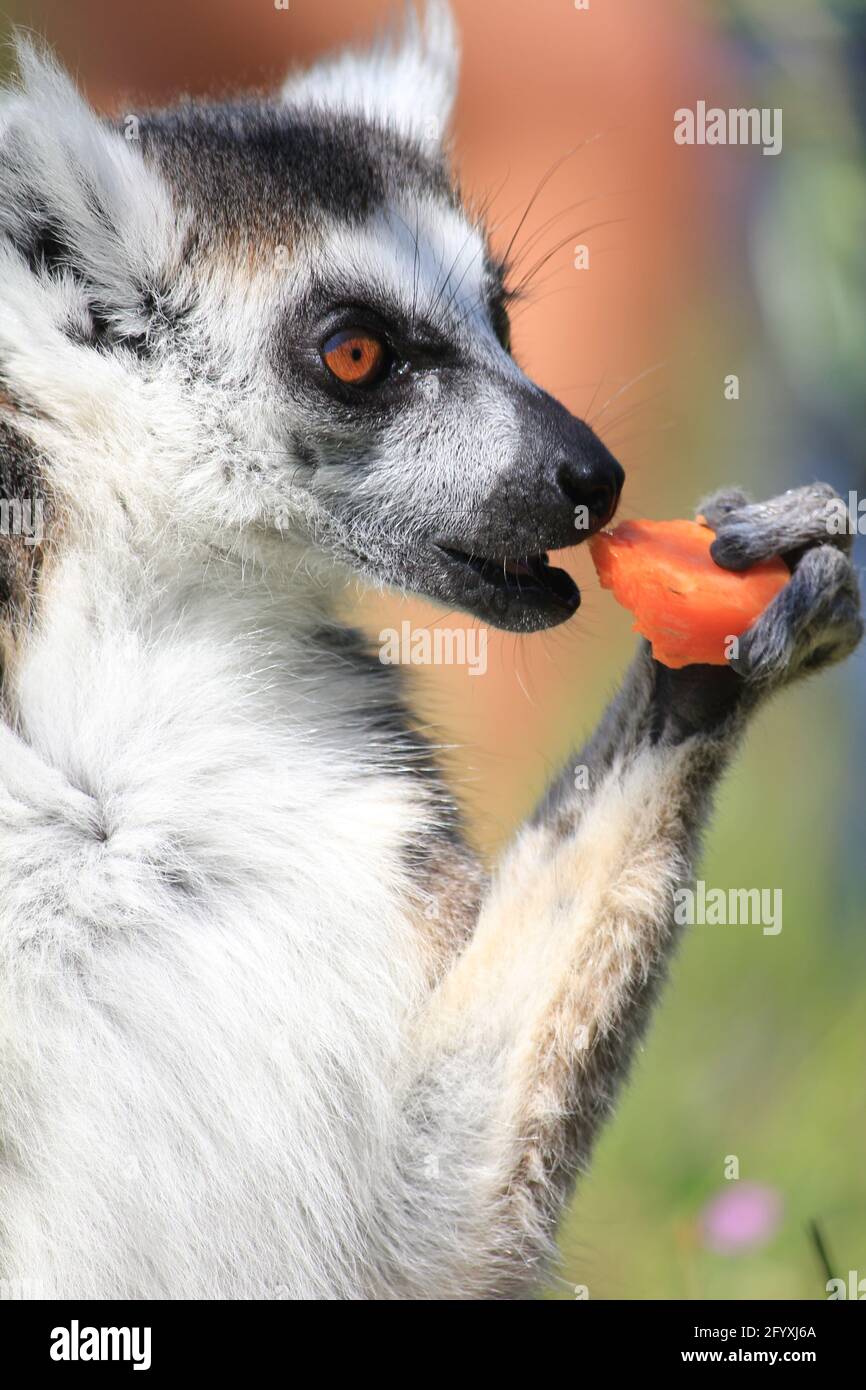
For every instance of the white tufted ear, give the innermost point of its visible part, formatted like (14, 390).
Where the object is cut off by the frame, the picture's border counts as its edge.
(407, 79)
(73, 188)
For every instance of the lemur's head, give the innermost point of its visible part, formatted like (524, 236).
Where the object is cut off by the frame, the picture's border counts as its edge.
(273, 323)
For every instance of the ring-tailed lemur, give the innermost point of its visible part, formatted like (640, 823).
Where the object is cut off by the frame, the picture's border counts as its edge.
(266, 1026)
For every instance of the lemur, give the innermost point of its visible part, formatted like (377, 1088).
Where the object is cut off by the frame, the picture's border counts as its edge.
(268, 1028)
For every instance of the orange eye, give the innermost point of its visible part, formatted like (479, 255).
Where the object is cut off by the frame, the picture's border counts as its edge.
(356, 357)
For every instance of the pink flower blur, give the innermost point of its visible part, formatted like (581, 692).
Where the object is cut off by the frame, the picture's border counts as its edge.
(744, 1216)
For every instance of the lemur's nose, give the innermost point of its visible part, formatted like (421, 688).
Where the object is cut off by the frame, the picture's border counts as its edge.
(594, 483)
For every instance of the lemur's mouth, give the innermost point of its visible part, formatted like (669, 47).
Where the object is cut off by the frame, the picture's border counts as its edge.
(526, 592)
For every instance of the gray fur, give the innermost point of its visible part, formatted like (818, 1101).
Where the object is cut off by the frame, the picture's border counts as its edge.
(753, 531)
(264, 173)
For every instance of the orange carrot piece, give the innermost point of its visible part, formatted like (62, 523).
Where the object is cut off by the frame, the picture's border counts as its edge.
(683, 602)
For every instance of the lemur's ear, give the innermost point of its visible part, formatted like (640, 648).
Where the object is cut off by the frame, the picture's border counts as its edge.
(408, 79)
(76, 197)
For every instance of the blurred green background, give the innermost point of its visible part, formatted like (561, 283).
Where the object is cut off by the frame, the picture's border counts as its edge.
(728, 262)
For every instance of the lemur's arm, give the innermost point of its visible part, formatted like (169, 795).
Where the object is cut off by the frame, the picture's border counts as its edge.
(526, 1040)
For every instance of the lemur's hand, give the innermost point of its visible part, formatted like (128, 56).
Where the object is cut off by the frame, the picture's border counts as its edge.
(816, 618)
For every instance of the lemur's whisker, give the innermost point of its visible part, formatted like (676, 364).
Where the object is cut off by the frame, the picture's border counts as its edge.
(542, 184)
(554, 250)
(627, 386)
(631, 409)
(536, 236)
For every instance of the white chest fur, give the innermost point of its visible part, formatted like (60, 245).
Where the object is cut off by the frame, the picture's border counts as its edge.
(207, 985)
